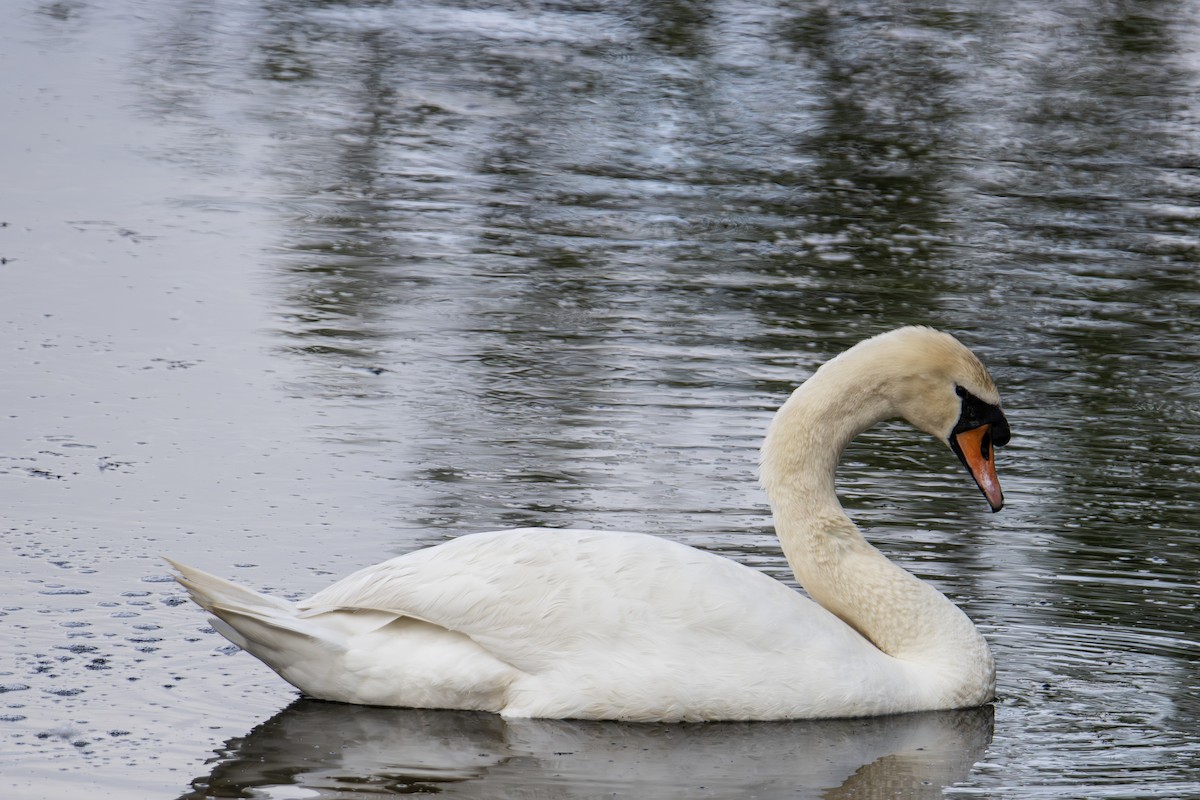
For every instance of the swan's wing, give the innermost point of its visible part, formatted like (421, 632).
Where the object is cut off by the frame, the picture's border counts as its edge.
(537, 598)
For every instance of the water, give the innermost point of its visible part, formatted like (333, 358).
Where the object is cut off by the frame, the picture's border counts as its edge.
(292, 288)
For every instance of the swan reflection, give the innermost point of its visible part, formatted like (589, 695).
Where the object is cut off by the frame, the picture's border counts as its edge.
(314, 749)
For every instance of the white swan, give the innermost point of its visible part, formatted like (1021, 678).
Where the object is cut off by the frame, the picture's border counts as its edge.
(603, 625)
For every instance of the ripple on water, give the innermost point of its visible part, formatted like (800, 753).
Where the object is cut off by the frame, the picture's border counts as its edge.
(1091, 708)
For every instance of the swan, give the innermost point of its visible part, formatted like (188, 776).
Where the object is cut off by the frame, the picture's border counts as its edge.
(584, 624)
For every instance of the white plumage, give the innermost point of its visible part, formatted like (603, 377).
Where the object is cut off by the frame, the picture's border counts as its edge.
(540, 622)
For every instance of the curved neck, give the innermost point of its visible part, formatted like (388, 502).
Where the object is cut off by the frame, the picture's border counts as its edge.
(901, 615)
(807, 436)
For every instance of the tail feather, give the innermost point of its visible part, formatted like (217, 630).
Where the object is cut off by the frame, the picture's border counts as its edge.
(266, 627)
(209, 591)
(373, 656)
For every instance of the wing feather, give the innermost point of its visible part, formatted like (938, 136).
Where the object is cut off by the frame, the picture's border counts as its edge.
(538, 597)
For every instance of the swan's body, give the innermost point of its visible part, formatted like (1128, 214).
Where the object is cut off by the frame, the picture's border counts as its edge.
(603, 625)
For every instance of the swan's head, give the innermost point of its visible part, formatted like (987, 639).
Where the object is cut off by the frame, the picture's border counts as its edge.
(941, 387)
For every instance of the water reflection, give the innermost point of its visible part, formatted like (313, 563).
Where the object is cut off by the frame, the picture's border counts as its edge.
(314, 749)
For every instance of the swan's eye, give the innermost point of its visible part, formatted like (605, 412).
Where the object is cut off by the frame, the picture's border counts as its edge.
(975, 413)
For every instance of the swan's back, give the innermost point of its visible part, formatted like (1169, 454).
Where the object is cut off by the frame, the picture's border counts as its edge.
(568, 624)
(626, 620)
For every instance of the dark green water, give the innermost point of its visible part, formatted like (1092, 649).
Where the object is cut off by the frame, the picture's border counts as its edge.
(289, 288)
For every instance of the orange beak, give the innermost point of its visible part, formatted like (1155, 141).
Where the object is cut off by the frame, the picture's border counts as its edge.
(974, 448)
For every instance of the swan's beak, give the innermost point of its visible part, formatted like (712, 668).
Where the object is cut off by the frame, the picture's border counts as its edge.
(974, 449)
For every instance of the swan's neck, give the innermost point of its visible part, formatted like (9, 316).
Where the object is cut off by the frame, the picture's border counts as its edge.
(901, 615)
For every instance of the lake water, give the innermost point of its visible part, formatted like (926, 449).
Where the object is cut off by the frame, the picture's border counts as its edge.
(290, 288)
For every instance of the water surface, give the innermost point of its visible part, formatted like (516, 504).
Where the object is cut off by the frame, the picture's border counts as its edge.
(289, 288)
